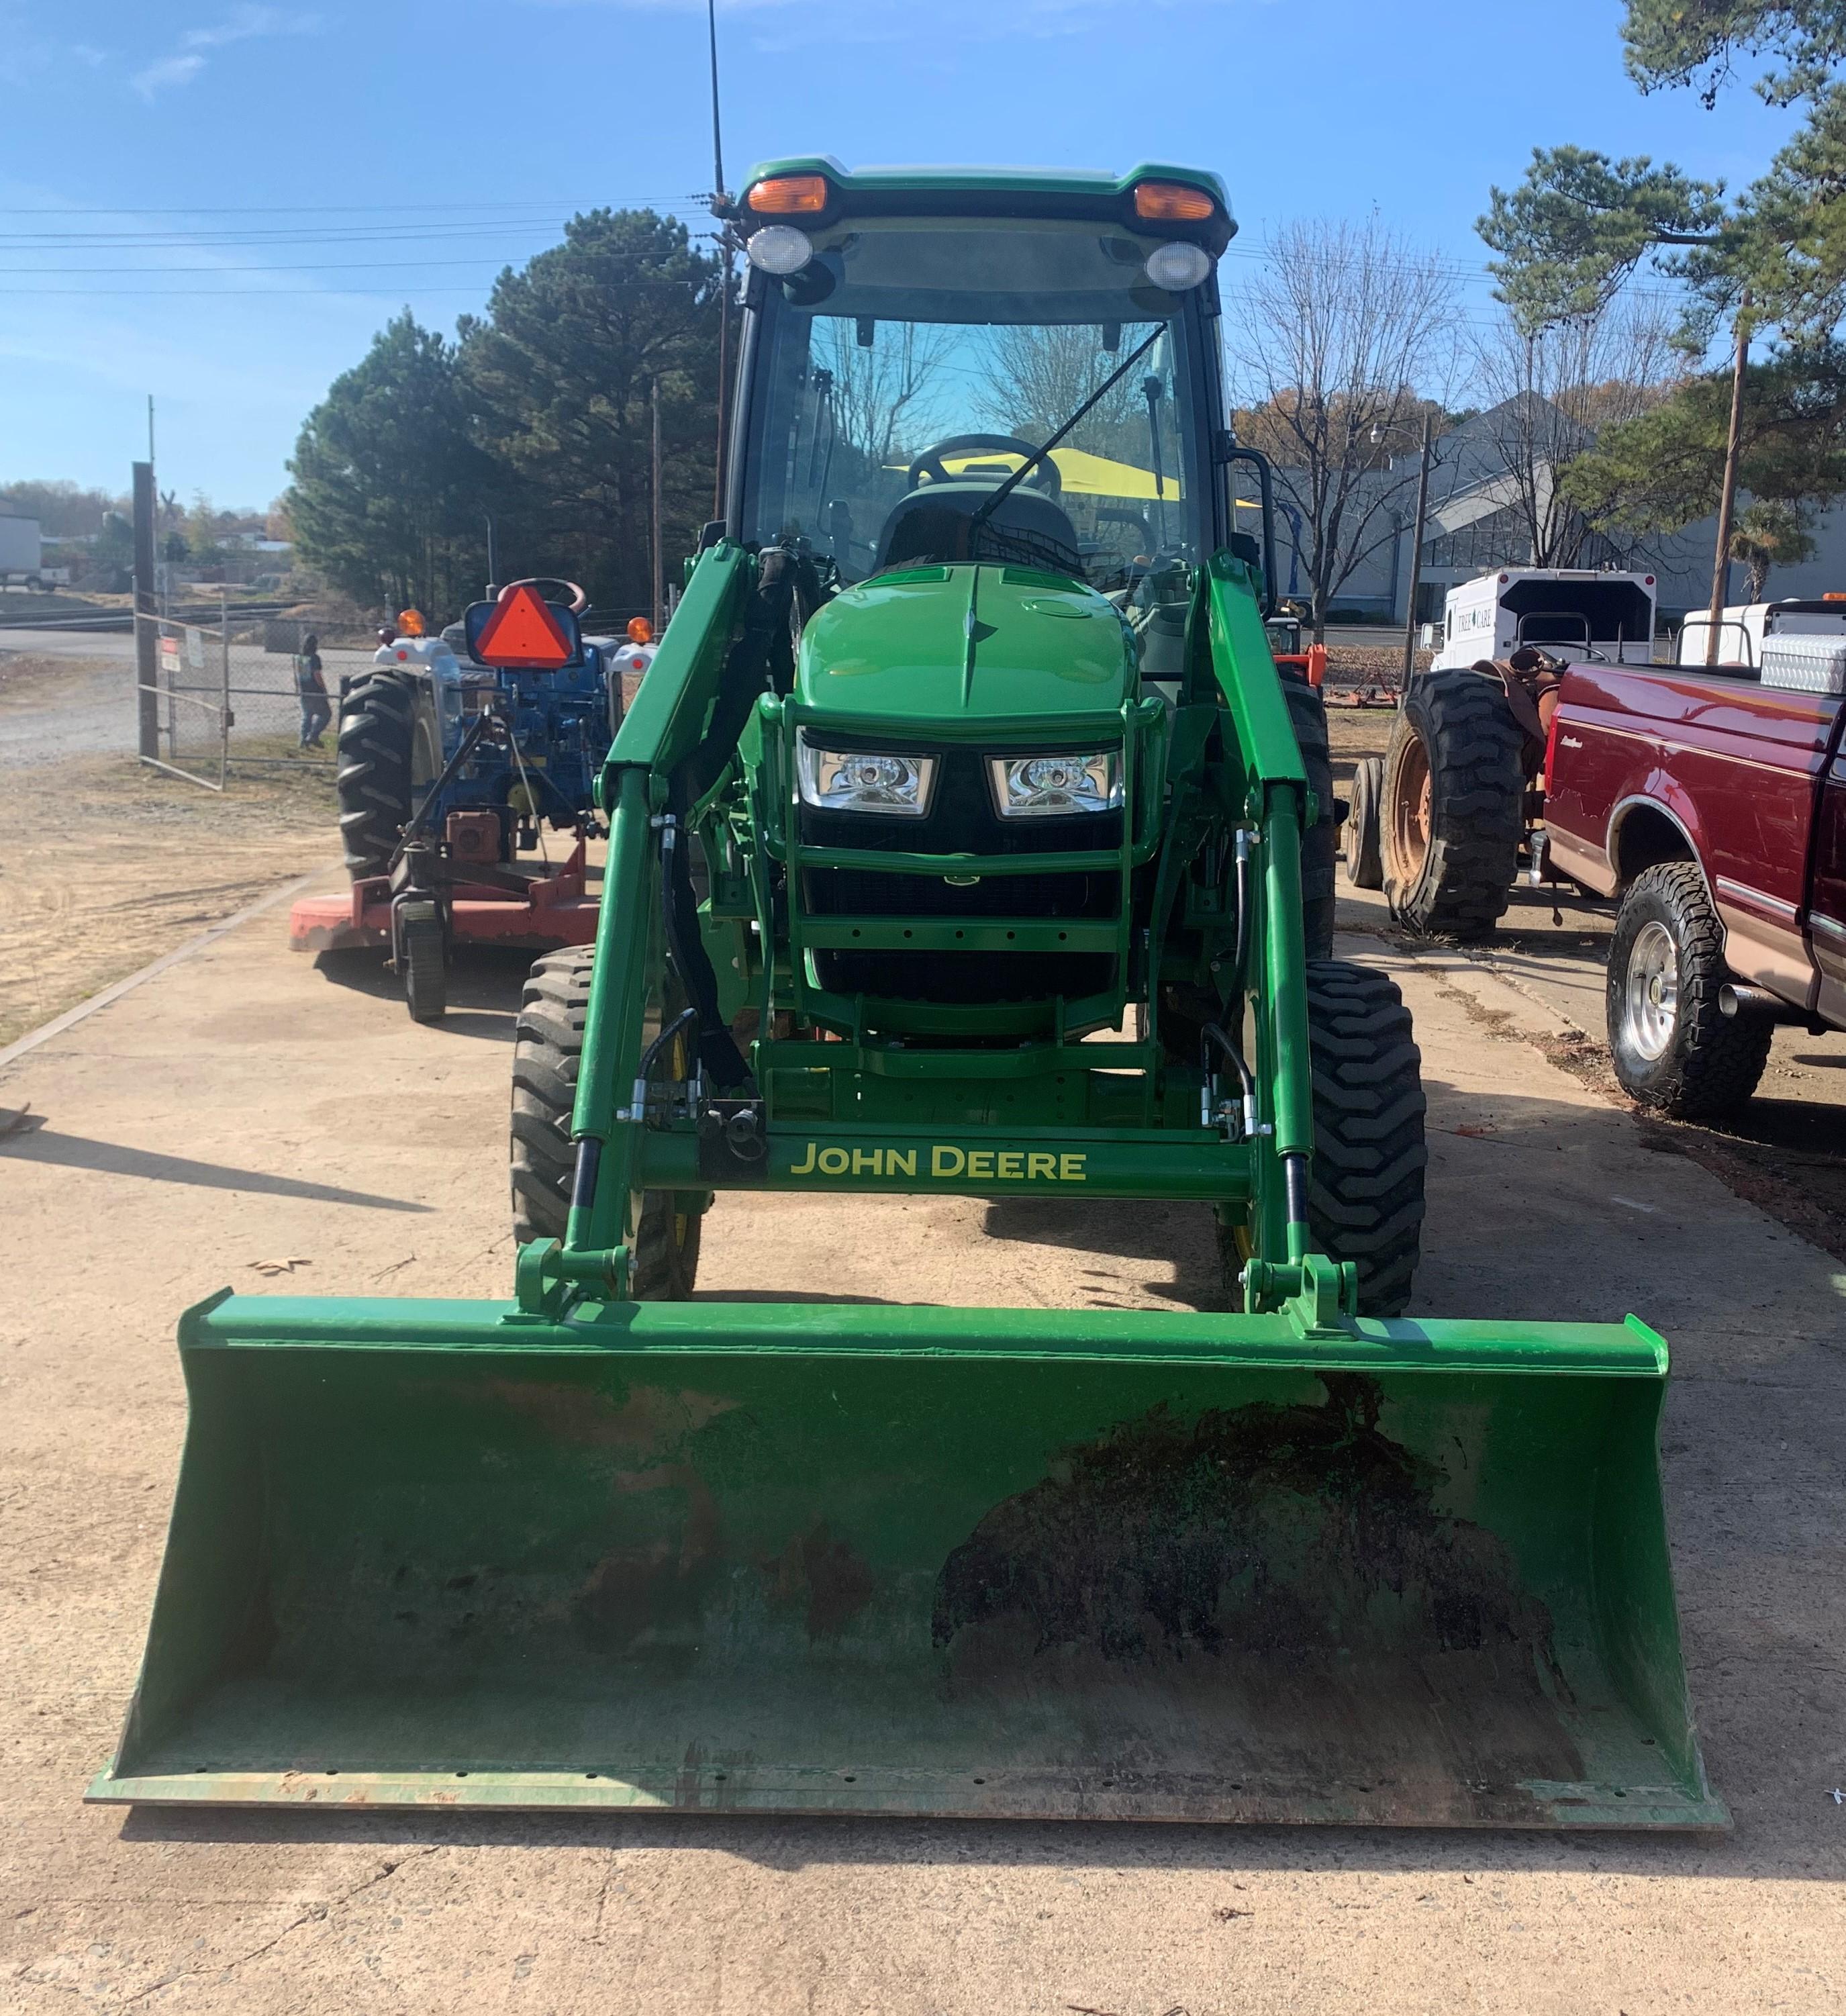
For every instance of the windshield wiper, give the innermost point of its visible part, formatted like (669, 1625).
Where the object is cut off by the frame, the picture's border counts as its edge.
(1038, 454)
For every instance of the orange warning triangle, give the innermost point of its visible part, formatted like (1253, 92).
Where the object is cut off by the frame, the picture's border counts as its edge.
(523, 633)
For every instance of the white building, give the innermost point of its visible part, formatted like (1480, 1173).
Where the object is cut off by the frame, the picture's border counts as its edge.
(1489, 484)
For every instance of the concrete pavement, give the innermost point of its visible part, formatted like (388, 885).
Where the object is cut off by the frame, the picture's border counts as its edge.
(243, 1110)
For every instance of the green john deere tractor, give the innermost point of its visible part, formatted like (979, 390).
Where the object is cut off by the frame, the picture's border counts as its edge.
(963, 837)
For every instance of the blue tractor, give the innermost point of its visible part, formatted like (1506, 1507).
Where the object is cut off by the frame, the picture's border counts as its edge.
(450, 771)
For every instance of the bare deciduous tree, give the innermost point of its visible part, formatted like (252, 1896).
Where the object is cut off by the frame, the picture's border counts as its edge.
(881, 390)
(1549, 395)
(1337, 347)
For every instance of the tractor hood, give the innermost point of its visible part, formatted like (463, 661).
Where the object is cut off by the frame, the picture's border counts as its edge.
(972, 646)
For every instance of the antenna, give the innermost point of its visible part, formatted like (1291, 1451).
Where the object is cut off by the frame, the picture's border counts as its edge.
(717, 150)
(727, 242)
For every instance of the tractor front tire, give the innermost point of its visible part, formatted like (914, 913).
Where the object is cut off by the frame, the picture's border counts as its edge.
(389, 751)
(1454, 806)
(547, 1051)
(1307, 715)
(1364, 844)
(1366, 1190)
(1674, 1049)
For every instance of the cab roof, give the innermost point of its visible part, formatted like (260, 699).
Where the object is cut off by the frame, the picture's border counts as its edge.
(980, 189)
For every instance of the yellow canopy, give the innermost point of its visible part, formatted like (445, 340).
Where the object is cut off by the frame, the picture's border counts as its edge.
(1082, 473)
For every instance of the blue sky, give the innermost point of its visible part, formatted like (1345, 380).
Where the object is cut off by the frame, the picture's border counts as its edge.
(218, 202)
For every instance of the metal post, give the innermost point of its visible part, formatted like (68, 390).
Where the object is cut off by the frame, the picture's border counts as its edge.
(224, 719)
(1422, 510)
(145, 657)
(493, 555)
(1727, 496)
(654, 595)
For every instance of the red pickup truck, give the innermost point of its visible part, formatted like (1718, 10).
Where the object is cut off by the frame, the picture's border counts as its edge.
(1714, 806)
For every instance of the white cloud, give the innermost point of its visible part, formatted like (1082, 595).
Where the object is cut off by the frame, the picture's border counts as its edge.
(164, 75)
(242, 24)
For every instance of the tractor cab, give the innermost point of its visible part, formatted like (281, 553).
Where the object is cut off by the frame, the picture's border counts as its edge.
(1027, 383)
(987, 429)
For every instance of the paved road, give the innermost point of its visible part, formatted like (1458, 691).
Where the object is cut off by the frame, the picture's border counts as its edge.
(84, 704)
(244, 1109)
(69, 643)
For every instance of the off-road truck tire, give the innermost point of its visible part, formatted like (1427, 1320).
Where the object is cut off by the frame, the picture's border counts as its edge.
(1674, 1049)
(548, 1049)
(1453, 805)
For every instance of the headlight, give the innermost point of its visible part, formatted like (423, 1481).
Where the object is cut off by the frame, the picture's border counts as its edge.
(1043, 786)
(859, 781)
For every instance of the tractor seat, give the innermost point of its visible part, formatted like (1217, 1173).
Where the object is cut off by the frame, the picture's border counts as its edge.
(934, 523)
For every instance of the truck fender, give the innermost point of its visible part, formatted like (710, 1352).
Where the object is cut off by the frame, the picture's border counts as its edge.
(1637, 835)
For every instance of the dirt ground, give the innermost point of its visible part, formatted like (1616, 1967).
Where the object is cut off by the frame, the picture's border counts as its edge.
(243, 1112)
(110, 863)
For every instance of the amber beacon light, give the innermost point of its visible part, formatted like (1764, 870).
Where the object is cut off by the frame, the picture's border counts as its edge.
(1171, 203)
(789, 196)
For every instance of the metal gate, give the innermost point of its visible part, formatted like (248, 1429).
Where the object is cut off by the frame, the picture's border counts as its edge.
(192, 695)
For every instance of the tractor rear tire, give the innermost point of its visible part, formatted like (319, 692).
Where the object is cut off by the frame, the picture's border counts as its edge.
(1365, 1191)
(1364, 841)
(1674, 1049)
(387, 757)
(1453, 813)
(548, 1049)
(1308, 715)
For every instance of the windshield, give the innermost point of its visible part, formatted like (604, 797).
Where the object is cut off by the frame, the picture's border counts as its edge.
(915, 356)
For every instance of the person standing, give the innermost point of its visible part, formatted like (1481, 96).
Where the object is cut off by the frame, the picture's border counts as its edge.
(310, 690)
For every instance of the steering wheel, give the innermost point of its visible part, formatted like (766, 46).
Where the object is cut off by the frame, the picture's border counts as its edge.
(929, 464)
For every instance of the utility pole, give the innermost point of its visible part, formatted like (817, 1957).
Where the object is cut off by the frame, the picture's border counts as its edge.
(148, 694)
(654, 579)
(1423, 512)
(1727, 495)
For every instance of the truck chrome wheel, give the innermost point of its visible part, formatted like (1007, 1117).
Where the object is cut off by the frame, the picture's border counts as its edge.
(1653, 991)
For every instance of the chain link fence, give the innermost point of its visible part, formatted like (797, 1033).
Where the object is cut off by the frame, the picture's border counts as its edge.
(230, 697)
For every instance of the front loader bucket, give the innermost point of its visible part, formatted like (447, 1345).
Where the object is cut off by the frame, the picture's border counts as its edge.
(983, 1562)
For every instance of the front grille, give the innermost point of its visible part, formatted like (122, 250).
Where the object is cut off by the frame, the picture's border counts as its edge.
(961, 820)
(965, 979)
(862, 892)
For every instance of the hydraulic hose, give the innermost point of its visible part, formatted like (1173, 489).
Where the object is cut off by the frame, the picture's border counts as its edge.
(1240, 955)
(1216, 1033)
(679, 903)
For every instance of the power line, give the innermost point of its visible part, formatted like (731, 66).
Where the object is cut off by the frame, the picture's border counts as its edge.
(327, 266)
(350, 209)
(15, 242)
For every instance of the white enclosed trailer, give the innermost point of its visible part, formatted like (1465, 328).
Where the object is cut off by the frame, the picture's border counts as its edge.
(1572, 612)
(21, 550)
